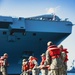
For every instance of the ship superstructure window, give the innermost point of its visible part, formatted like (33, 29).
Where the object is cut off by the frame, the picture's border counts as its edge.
(21, 27)
(40, 39)
(4, 32)
(24, 33)
(34, 34)
(11, 33)
(18, 38)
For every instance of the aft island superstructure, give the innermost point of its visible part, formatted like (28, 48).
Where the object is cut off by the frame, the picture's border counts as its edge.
(22, 37)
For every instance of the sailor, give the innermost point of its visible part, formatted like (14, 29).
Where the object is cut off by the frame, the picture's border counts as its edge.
(43, 65)
(64, 57)
(53, 59)
(5, 64)
(25, 67)
(48, 58)
(1, 64)
(33, 64)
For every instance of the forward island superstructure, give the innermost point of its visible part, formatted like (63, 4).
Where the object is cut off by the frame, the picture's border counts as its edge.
(22, 37)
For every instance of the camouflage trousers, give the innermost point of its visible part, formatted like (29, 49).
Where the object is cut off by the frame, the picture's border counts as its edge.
(64, 69)
(56, 72)
(25, 73)
(4, 70)
(56, 67)
(0, 71)
(44, 71)
(35, 71)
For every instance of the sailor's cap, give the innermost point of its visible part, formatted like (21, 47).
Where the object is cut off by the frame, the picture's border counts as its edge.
(60, 46)
(43, 54)
(5, 54)
(30, 57)
(24, 60)
(49, 43)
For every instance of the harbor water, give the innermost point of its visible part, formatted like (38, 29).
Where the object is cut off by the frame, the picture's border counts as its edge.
(70, 73)
(67, 74)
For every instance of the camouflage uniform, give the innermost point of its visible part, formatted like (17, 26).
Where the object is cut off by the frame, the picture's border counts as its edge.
(54, 61)
(43, 65)
(25, 67)
(56, 66)
(35, 69)
(5, 65)
(63, 57)
(64, 68)
(1, 64)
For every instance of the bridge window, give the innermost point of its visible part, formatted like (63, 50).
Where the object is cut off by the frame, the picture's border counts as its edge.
(34, 34)
(4, 32)
(18, 38)
(40, 39)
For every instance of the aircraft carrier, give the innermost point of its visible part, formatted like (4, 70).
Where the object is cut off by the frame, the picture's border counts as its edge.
(22, 37)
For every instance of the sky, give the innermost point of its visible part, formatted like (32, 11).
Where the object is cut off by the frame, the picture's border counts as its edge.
(28, 8)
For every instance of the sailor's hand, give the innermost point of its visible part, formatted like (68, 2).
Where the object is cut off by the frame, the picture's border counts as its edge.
(49, 68)
(34, 68)
(29, 70)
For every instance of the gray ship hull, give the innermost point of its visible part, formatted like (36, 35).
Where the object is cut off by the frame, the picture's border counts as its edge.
(22, 37)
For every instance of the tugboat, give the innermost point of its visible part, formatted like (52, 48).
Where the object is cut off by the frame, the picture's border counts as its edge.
(72, 68)
(23, 37)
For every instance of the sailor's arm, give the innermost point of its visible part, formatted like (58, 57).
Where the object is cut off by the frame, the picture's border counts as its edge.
(48, 58)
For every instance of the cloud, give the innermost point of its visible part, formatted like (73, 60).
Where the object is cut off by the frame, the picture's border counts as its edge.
(52, 10)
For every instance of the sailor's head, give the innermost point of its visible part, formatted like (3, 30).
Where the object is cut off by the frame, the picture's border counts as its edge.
(60, 46)
(43, 54)
(5, 55)
(49, 43)
(24, 60)
(30, 58)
